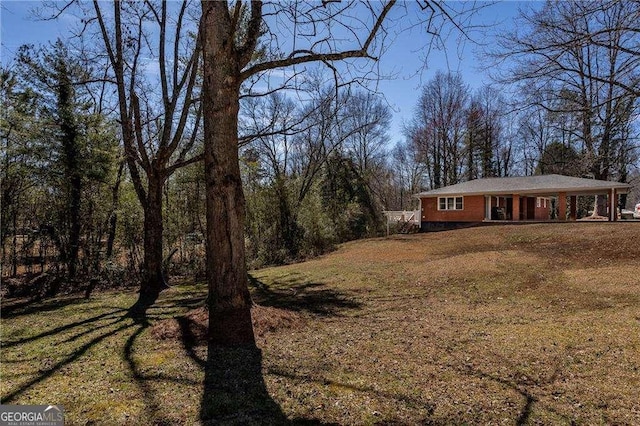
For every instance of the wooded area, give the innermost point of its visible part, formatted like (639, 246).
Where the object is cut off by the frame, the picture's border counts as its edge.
(109, 170)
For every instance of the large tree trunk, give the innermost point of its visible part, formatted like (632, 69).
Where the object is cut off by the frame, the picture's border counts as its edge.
(229, 299)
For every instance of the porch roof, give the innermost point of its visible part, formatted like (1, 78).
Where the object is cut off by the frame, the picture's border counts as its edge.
(528, 185)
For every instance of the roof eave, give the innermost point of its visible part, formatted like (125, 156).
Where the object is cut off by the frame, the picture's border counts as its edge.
(620, 188)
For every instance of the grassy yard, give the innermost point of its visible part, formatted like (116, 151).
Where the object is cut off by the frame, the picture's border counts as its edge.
(529, 324)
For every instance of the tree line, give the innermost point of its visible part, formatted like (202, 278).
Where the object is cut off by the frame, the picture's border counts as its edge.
(87, 193)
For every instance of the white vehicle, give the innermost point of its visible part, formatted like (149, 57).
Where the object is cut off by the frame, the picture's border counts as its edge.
(636, 211)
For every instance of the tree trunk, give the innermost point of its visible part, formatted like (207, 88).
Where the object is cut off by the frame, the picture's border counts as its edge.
(113, 217)
(72, 172)
(288, 222)
(75, 194)
(14, 248)
(152, 278)
(229, 299)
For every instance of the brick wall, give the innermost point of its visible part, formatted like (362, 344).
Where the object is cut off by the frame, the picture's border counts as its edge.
(473, 210)
(543, 212)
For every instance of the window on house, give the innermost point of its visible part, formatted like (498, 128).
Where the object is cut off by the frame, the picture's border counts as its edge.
(538, 202)
(450, 203)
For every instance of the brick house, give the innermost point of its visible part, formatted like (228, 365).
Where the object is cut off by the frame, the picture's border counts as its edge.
(527, 198)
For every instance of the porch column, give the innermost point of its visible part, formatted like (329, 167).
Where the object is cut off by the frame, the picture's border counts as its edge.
(573, 212)
(515, 214)
(613, 205)
(487, 207)
(562, 206)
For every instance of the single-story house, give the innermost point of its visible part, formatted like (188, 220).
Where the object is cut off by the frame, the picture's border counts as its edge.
(526, 198)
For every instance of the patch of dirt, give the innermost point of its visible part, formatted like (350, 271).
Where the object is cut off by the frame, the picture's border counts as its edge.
(267, 319)
(193, 326)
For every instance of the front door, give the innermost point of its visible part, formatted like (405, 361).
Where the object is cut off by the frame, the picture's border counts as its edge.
(509, 208)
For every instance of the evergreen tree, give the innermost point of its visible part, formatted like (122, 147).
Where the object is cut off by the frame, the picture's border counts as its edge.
(79, 143)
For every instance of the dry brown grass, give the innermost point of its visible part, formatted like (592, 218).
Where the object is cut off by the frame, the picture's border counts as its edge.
(535, 324)
(532, 324)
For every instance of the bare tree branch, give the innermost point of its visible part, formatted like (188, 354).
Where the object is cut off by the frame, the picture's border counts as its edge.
(311, 56)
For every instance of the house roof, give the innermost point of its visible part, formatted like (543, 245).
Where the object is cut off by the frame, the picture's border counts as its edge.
(540, 185)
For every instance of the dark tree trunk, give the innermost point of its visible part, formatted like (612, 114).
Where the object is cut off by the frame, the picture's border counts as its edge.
(74, 223)
(113, 217)
(14, 248)
(152, 276)
(72, 170)
(111, 236)
(229, 299)
(153, 281)
(288, 223)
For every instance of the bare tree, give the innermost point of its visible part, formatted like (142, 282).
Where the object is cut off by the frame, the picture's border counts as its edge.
(407, 171)
(293, 146)
(158, 133)
(234, 52)
(369, 118)
(534, 132)
(438, 128)
(581, 58)
(276, 121)
(488, 150)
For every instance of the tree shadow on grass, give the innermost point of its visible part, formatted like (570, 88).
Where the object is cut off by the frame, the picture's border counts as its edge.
(314, 298)
(521, 387)
(234, 390)
(89, 322)
(138, 311)
(19, 307)
(374, 392)
(152, 407)
(74, 356)
(85, 333)
(234, 387)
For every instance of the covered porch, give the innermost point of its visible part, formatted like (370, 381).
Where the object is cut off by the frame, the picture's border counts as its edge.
(560, 206)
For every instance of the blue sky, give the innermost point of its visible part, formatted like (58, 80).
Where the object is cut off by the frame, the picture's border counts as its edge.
(404, 59)
(461, 55)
